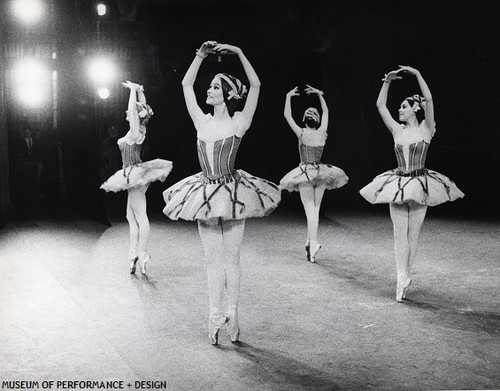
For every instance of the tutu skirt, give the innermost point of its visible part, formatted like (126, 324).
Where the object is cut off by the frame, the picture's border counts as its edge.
(430, 188)
(315, 174)
(240, 196)
(137, 175)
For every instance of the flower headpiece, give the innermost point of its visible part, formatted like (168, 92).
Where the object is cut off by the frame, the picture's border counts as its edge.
(237, 90)
(419, 100)
(144, 111)
(313, 112)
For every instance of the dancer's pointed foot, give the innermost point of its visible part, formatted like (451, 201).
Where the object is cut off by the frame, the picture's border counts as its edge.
(308, 251)
(402, 288)
(315, 247)
(233, 326)
(133, 264)
(143, 260)
(215, 322)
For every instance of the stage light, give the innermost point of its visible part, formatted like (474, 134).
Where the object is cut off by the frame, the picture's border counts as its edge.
(30, 11)
(29, 71)
(102, 70)
(32, 96)
(101, 9)
(103, 93)
(31, 82)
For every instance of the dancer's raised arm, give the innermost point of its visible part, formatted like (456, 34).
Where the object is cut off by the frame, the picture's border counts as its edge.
(188, 82)
(246, 115)
(132, 115)
(428, 103)
(288, 111)
(390, 122)
(324, 107)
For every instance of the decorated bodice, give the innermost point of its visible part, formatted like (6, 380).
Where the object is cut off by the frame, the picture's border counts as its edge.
(411, 157)
(310, 154)
(131, 154)
(311, 145)
(217, 157)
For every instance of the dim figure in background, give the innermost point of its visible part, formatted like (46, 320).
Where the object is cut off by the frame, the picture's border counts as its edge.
(31, 161)
(410, 188)
(220, 197)
(136, 175)
(311, 178)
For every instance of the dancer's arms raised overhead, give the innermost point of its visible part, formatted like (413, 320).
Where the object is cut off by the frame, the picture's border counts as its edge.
(324, 107)
(193, 108)
(390, 122)
(288, 111)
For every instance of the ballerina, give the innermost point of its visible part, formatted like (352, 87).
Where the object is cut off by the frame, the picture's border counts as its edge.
(220, 197)
(410, 188)
(311, 178)
(136, 175)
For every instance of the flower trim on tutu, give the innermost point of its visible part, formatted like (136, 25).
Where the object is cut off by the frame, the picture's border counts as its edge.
(428, 188)
(136, 175)
(314, 173)
(239, 195)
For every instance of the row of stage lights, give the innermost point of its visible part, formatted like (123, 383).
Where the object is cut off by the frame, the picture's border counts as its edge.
(31, 76)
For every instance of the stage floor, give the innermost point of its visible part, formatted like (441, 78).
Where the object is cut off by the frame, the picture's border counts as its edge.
(70, 310)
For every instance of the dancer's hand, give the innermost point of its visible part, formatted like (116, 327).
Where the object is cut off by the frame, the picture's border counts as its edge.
(226, 49)
(311, 90)
(293, 92)
(392, 75)
(408, 69)
(132, 86)
(206, 48)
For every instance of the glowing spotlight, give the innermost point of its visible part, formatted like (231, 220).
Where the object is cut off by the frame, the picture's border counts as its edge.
(101, 9)
(29, 71)
(32, 96)
(30, 11)
(102, 70)
(103, 93)
(31, 82)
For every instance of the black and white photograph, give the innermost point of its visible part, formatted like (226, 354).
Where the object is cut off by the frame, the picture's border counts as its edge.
(249, 195)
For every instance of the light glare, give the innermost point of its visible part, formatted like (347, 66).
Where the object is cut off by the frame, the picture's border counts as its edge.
(103, 93)
(101, 9)
(29, 11)
(102, 70)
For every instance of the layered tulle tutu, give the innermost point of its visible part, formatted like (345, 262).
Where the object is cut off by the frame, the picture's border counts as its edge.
(429, 188)
(314, 173)
(239, 196)
(138, 175)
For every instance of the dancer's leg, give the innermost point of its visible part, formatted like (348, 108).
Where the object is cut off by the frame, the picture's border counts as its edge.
(137, 198)
(233, 231)
(416, 218)
(400, 220)
(307, 197)
(211, 239)
(134, 230)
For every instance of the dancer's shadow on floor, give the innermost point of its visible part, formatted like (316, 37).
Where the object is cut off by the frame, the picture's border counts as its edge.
(274, 367)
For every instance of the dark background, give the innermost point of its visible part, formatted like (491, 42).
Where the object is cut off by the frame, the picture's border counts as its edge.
(341, 47)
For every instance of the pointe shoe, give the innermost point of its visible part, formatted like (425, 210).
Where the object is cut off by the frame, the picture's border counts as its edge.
(143, 260)
(402, 289)
(215, 322)
(133, 264)
(308, 250)
(233, 327)
(313, 251)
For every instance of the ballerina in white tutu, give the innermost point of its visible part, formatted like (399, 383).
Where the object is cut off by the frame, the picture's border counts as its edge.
(136, 175)
(311, 177)
(411, 187)
(220, 197)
